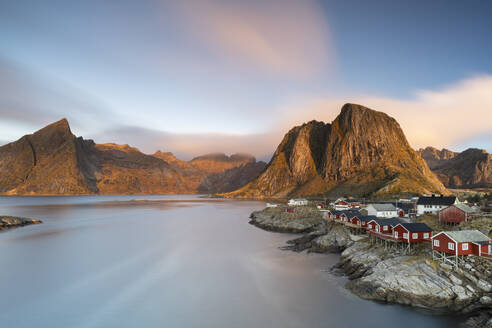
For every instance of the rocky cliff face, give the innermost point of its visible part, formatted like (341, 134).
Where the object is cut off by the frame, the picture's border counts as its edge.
(45, 162)
(471, 168)
(52, 161)
(360, 153)
(231, 179)
(434, 156)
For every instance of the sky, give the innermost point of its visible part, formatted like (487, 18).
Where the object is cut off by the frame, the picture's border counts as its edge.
(200, 76)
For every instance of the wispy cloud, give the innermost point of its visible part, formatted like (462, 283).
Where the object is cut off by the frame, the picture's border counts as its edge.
(187, 146)
(28, 97)
(289, 37)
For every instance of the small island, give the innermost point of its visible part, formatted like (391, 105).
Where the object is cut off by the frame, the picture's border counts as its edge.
(10, 222)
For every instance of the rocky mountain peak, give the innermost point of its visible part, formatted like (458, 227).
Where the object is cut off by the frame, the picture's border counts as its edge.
(361, 152)
(53, 135)
(433, 155)
(471, 168)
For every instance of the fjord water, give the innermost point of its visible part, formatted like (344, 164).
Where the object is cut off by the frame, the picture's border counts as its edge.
(170, 261)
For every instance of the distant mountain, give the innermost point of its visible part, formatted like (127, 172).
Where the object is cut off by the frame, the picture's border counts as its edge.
(231, 179)
(217, 172)
(52, 161)
(362, 152)
(471, 168)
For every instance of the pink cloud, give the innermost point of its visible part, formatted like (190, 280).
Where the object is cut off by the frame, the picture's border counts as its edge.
(288, 37)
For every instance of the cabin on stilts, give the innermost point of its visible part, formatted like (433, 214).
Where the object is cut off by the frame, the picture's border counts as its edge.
(451, 246)
(358, 223)
(408, 234)
(381, 230)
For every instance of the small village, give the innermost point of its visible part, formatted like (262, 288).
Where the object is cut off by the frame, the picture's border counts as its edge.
(430, 220)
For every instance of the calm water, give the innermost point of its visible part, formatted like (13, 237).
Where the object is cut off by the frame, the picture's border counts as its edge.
(177, 261)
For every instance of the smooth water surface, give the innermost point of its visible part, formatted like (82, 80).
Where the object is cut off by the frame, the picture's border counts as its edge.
(170, 261)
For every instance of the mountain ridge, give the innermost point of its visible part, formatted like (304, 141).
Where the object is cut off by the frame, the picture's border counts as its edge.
(362, 152)
(471, 168)
(53, 161)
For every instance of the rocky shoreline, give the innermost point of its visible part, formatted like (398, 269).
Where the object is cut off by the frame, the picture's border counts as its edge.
(390, 276)
(10, 222)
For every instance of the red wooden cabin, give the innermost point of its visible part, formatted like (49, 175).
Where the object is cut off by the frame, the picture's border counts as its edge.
(382, 225)
(482, 248)
(412, 232)
(456, 213)
(463, 242)
(362, 220)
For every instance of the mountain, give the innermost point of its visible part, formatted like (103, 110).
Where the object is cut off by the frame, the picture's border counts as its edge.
(471, 168)
(362, 152)
(434, 156)
(231, 179)
(53, 161)
(217, 172)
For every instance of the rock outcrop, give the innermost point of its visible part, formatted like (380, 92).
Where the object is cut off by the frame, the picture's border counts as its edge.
(53, 161)
(471, 168)
(304, 220)
(417, 280)
(10, 222)
(362, 152)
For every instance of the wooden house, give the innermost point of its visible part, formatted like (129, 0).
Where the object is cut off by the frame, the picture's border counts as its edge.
(449, 245)
(383, 210)
(346, 216)
(384, 226)
(433, 204)
(362, 220)
(457, 213)
(298, 202)
(412, 232)
(347, 204)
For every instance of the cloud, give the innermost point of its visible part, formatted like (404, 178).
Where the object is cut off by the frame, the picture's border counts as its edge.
(28, 97)
(288, 37)
(449, 117)
(455, 117)
(187, 146)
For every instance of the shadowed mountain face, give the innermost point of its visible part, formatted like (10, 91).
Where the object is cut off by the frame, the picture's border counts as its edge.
(361, 152)
(471, 168)
(53, 161)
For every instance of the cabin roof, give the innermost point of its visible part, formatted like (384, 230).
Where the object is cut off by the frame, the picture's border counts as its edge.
(383, 207)
(465, 236)
(350, 213)
(436, 200)
(416, 227)
(391, 222)
(465, 208)
(367, 218)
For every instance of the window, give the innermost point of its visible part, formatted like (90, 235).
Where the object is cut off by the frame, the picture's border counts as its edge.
(415, 235)
(405, 235)
(377, 228)
(451, 246)
(385, 228)
(436, 243)
(426, 235)
(464, 246)
(396, 234)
